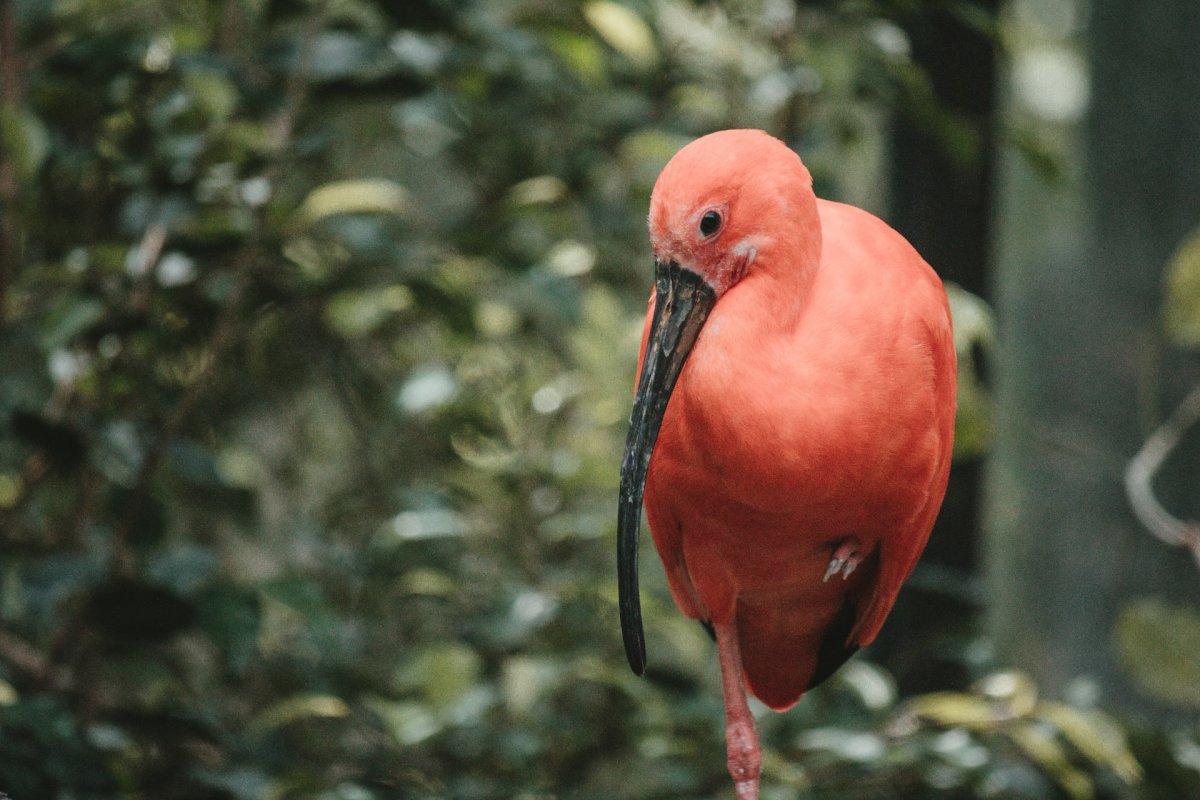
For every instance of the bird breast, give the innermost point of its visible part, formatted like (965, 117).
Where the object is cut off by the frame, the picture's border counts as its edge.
(815, 426)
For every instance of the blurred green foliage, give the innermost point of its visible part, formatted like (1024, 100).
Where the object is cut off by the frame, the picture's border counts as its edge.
(318, 333)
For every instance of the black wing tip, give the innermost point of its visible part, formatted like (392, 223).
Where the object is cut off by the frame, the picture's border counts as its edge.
(834, 650)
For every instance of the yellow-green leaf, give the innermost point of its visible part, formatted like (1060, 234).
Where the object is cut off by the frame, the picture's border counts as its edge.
(540, 189)
(10, 489)
(354, 197)
(299, 707)
(1160, 647)
(525, 678)
(1095, 736)
(429, 582)
(1040, 745)
(582, 54)
(623, 30)
(1181, 311)
(953, 709)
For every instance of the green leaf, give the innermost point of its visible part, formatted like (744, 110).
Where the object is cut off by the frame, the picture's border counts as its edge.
(581, 54)
(355, 313)
(974, 333)
(442, 673)
(409, 723)
(24, 137)
(232, 619)
(67, 318)
(214, 93)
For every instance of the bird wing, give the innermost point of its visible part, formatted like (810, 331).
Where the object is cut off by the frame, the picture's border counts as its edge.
(898, 554)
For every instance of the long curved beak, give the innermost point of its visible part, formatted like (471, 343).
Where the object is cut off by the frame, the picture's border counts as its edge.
(682, 302)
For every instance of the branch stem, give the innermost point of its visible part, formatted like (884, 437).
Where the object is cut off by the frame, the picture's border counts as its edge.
(1140, 472)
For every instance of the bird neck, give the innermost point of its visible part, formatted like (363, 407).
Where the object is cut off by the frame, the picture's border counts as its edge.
(786, 272)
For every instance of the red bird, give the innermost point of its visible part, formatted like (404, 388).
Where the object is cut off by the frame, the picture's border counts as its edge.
(792, 426)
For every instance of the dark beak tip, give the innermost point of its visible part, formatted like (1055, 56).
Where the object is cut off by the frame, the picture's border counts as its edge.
(635, 650)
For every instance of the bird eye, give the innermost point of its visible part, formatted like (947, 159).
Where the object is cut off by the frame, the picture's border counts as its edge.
(709, 223)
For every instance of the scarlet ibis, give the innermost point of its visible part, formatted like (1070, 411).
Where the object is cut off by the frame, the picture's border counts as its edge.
(792, 425)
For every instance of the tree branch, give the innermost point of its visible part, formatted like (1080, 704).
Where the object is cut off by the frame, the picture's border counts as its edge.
(1140, 472)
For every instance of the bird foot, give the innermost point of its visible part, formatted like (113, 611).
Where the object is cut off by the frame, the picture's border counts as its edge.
(746, 790)
(745, 758)
(845, 560)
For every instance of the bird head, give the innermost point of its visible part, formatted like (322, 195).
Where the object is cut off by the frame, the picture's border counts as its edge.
(728, 207)
(726, 199)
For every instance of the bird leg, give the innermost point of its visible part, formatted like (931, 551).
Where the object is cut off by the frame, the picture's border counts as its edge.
(741, 740)
(845, 560)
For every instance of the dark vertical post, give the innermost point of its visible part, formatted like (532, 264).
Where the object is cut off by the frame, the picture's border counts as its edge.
(1079, 381)
(942, 203)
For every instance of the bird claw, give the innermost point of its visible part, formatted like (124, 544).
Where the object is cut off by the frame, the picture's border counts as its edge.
(835, 566)
(845, 560)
